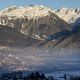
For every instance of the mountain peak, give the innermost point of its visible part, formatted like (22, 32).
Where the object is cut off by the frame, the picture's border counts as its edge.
(35, 21)
(9, 9)
(70, 15)
(38, 21)
(30, 12)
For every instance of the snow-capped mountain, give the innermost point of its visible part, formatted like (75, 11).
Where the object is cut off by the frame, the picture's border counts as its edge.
(36, 27)
(38, 23)
(70, 15)
(34, 21)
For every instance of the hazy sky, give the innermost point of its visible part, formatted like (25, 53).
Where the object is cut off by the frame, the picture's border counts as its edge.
(50, 3)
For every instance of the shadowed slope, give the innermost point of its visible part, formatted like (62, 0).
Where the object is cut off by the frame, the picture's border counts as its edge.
(9, 37)
(60, 37)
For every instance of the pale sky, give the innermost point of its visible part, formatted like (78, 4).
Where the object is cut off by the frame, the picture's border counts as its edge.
(55, 4)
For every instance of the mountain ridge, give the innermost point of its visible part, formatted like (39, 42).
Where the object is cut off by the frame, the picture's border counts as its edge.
(70, 15)
(39, 22)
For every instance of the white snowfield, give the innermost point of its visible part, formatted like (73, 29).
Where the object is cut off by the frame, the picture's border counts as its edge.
(69, 15)
(30, 12)
(33, 12)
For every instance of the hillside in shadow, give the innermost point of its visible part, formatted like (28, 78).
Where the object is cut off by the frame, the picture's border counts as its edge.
(9, 37)
(65, 38)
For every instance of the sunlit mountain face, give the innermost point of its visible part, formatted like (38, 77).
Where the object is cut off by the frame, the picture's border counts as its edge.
(37, 38)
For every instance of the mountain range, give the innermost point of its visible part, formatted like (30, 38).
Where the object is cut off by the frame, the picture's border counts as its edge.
(39, 26)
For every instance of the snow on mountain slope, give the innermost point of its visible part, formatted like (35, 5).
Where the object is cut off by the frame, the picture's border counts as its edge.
(31, 11)
(39, 22)
(34, 21)
(69, 15)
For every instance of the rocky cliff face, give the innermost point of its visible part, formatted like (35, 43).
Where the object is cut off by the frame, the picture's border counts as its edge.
(34, 21)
